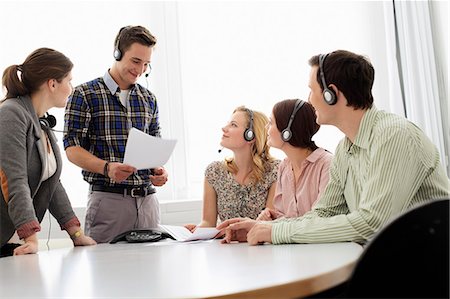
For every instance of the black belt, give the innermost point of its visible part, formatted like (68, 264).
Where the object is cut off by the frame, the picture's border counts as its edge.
(139, 191)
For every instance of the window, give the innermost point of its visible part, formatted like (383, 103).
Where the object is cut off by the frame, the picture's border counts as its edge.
(210, 58)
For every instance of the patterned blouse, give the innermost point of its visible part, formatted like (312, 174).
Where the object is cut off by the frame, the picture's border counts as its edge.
(236, 200)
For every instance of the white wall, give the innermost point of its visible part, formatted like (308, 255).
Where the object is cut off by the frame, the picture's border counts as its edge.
(210, 58)
(256, 53)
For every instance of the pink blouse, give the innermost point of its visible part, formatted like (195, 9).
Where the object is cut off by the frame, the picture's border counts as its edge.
(292, 202)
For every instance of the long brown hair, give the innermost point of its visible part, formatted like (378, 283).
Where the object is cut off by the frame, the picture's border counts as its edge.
(41, 65)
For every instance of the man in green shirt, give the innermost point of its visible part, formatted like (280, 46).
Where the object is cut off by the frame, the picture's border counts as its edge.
(384, 166)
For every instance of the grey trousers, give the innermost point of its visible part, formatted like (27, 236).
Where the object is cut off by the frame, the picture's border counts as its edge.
(109, 214)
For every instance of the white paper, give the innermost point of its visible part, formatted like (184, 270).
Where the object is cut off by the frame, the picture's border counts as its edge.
(182, 234)
(144, 151)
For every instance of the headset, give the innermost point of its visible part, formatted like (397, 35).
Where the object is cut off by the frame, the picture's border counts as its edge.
(249, 135)
(48, 121)
(117, 52)
(286, 134)
(328, 94)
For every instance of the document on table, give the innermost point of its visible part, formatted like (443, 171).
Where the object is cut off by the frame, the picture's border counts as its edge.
(144, 151)
(182, 234)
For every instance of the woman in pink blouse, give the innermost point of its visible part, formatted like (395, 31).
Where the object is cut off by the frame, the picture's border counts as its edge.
(303, 174)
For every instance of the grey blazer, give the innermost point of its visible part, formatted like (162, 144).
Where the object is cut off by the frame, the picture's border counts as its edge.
(24, 198)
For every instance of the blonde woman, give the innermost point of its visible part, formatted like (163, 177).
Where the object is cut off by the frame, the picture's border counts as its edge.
(244, 184)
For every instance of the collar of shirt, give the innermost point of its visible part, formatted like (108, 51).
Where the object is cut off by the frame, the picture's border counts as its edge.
(111, 84)
(362, 139)
(316, 155)
(311, 159)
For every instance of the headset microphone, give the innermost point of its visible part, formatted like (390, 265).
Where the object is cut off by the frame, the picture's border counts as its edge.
(149, 70)
(220, 150)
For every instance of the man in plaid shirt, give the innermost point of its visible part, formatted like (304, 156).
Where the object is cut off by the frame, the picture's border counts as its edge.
(98, 117)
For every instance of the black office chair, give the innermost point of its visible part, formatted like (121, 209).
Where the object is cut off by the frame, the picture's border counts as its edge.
(409, 258)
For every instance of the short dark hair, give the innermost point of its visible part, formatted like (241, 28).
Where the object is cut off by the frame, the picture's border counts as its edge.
(129, 35)
(304, 125)
(41, 65)
(352, 74)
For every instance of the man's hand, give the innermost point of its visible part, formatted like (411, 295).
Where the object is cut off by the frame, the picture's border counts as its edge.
(119, 172)
(260, 234)
(236, 229)
(159, 177)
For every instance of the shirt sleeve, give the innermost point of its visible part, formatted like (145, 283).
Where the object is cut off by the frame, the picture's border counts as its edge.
(76, 120)
(154, 128)
(393, 177)
(212, 173)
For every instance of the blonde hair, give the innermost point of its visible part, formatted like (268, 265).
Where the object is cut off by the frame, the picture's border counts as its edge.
(260, 149)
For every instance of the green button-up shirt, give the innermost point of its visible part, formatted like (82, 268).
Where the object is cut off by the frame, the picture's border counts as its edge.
(391, 167)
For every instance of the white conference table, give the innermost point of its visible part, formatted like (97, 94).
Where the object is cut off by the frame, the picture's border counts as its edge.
(178, 270)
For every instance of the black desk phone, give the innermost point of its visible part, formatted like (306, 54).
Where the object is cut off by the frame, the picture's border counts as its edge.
(140, 236)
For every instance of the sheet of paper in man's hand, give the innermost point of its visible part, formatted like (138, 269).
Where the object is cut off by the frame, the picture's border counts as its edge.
(144, 151)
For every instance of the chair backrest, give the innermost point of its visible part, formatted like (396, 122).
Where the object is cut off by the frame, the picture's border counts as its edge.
(409, 258)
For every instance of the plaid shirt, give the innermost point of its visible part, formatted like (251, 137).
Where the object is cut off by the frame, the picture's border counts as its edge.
(96, 120)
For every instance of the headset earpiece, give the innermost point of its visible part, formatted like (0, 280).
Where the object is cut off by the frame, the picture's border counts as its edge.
(249, 135)
(328, 94)
(48, 121)
(286, 134)
(117, 54)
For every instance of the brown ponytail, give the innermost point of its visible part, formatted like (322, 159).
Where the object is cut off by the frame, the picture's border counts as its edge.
(41, 65)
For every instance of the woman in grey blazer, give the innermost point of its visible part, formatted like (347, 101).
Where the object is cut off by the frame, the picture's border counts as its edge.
(30, 161)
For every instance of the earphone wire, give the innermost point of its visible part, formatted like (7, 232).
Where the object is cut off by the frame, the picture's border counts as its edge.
(54, 130)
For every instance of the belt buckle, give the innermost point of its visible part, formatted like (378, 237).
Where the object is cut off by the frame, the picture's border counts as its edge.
(135, 192)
